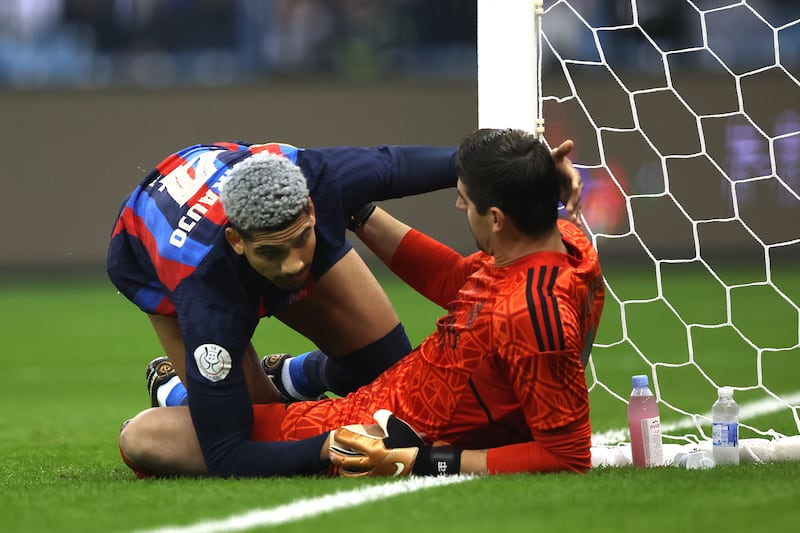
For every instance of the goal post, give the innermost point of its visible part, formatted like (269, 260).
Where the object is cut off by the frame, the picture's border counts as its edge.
(509, 63)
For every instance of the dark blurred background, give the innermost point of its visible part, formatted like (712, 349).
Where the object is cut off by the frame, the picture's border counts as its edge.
(94, 93)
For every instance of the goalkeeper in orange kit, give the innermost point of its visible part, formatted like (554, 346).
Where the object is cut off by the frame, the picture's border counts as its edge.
(500, 382)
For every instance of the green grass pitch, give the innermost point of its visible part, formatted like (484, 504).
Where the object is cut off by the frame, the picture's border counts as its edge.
(73, 370)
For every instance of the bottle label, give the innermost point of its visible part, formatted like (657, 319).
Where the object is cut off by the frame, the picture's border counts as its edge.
(651, 439)
(725, 434)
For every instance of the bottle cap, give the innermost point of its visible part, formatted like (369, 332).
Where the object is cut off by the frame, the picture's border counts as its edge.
(725, 392)
(639, 381)
(694, 460)
(705, 460)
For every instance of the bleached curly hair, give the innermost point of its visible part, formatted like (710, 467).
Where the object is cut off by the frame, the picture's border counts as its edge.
(264, 192)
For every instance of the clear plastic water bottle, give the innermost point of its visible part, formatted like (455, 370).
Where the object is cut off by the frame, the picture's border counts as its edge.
(725, 428)
(694, 460)
(644, 423)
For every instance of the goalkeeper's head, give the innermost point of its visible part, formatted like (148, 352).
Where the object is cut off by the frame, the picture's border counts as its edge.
(511, 170)
(271, 216)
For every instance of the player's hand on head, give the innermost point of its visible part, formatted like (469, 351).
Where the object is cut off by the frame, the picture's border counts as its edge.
(570, 181)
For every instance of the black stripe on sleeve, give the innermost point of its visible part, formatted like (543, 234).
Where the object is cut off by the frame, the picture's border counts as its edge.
(532, 309)
(554, 303)
(545, 312)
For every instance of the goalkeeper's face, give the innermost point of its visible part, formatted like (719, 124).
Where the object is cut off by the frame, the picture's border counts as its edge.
(284, 256)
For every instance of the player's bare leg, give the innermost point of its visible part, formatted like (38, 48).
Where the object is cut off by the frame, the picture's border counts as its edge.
(349, 307)
(163, 441)
(169, 334)
(352, 322)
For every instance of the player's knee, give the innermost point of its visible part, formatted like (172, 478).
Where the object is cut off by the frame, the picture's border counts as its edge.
(161, 441)
(132, 447)
(141, 442)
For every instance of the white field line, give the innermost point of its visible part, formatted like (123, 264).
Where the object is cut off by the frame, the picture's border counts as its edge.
(747, 410)
(308, 507)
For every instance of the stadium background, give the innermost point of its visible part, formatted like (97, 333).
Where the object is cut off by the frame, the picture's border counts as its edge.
(94, 94)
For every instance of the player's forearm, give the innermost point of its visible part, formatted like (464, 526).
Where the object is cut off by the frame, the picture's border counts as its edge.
(422, 169)
(534, 457)
(474, 462)
(267, 459)
(382, 234)
(509, 461)
(223, 424)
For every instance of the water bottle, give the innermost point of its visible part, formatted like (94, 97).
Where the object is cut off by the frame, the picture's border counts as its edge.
(644, 424)
(694, 460)
(725, 428)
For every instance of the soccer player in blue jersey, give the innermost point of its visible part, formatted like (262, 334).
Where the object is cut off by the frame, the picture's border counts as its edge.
(171, 254)
(218, 236)
(205, 274)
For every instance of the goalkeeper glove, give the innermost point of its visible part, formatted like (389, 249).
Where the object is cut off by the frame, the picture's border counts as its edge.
(360, 217)
(397, 451)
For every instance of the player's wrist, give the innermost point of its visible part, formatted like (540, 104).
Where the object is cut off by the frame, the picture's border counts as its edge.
(437, 461)
(360, 217)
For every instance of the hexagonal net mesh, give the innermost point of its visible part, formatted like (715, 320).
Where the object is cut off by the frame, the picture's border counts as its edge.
(687, 127)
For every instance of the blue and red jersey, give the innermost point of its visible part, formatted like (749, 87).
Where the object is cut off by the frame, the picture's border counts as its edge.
(168, 255)
(176, 216)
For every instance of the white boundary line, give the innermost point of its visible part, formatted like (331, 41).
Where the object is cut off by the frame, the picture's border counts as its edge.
(308, 507)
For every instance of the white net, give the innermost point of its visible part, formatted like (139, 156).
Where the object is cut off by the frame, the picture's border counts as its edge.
(686, 116)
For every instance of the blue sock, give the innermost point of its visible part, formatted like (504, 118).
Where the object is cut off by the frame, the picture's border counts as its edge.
(300, 382)
(172, 393)
(177, 396)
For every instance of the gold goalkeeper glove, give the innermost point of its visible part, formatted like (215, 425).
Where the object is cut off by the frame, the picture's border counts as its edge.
(391, 449)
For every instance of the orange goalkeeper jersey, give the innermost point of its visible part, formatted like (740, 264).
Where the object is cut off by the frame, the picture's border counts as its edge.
(504, 368)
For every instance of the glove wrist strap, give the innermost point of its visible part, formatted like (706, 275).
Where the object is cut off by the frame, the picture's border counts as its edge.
(437, 461)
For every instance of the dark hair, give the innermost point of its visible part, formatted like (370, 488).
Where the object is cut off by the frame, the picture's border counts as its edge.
(511, 170)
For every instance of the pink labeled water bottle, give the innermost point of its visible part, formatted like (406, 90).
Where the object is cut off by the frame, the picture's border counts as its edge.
(644, 423)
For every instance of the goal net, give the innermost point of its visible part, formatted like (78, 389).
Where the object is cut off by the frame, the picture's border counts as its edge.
(686, 117)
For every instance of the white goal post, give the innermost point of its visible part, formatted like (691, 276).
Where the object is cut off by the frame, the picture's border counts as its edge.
(509, 63)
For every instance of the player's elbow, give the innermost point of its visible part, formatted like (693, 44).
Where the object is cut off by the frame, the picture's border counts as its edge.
(580, 464)
(569, 446)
